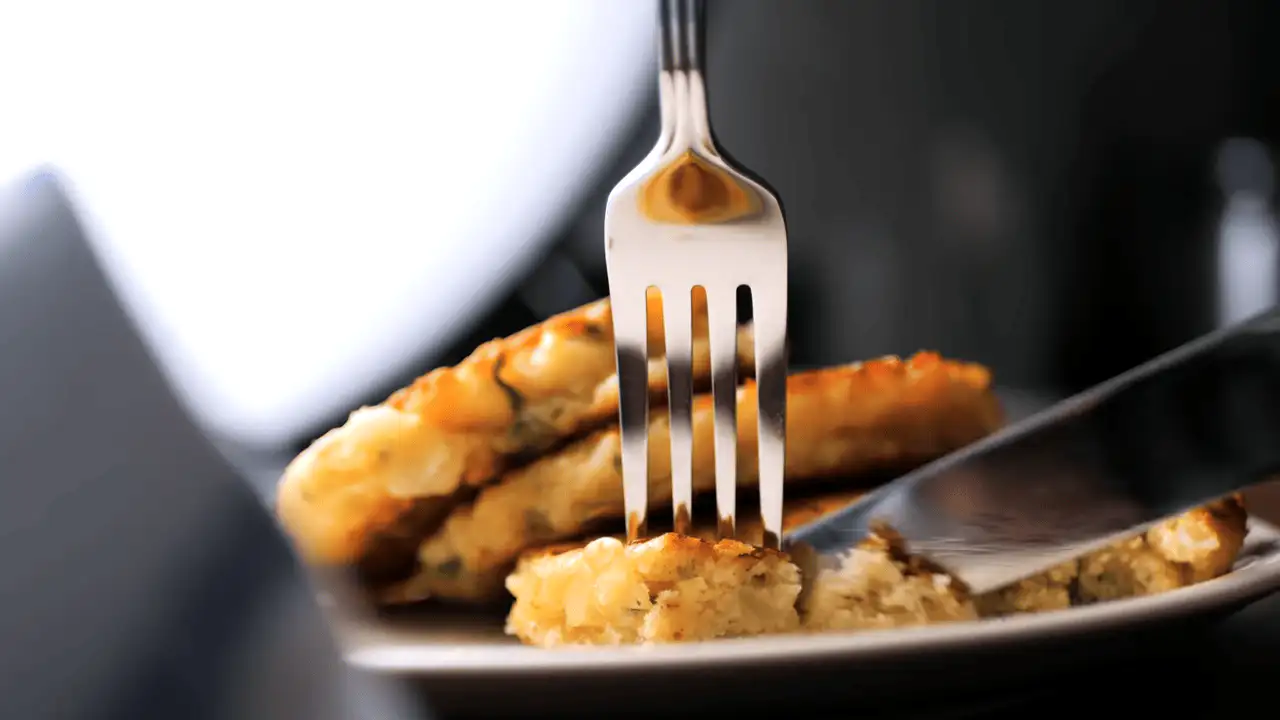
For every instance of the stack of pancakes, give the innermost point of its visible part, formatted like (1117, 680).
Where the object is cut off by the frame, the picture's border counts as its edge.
(510, 460)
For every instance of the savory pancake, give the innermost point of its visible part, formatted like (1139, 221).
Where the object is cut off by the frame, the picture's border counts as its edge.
(607, 593)
(394, 469)
(877, 587)
(841, 422)
(669, 589)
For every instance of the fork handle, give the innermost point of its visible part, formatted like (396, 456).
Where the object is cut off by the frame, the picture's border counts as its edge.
(681, 90)
(681, 35)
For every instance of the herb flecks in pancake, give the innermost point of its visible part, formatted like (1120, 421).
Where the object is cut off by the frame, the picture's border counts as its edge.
(461, 426)
(853, 420)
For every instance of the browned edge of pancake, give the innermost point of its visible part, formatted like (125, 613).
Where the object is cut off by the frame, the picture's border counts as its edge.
(807, 502)
(391, 552)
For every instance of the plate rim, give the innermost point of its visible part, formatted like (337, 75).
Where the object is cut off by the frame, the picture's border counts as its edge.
(1252, 581)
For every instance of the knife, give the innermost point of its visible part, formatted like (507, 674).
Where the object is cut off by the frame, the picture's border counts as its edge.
(1193, 425)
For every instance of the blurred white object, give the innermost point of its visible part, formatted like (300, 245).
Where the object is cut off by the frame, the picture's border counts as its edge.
(1248, 241)
(297, 198)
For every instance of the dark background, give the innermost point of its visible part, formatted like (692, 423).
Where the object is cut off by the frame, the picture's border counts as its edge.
(1032, 185)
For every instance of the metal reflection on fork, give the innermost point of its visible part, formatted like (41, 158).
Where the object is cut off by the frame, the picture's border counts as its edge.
(688, 217)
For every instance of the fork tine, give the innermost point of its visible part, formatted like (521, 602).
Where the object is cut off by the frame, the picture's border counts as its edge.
(669, 250)
(722, 320)
(677, 316)
(769, 309)
(630, 332)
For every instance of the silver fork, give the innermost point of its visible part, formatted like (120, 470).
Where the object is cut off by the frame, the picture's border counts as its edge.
(686, 216)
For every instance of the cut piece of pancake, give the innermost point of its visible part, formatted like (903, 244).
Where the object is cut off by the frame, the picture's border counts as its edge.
(669, 589)
(878, 585)
(841, 422)
(394, 469)
(1193, 547)
(864, 592)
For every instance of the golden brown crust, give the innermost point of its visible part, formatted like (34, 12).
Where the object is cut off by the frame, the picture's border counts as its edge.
(749, 530)
(842, 421)
(458, 427)
(1193, 547)
(1206, 541)
(671, 588)
(689, 547)
(878, 585)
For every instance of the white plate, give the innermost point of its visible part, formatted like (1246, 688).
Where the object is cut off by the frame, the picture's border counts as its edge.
(466, 652)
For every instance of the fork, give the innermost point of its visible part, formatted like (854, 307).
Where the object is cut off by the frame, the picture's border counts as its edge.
(687, 216)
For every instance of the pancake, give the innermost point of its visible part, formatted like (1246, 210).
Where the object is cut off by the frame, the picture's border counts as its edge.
(670, 589)
(1198, 545)
(879, 586)
(388, 475)
(608, 593)
(845, 421)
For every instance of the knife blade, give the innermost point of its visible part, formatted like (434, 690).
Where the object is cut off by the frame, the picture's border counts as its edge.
(1193, 425)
